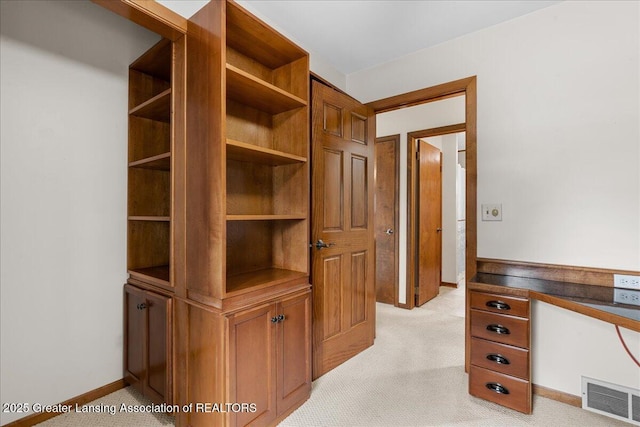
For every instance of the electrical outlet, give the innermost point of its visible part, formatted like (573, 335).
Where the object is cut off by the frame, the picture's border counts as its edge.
(626, 296)
(626, 281)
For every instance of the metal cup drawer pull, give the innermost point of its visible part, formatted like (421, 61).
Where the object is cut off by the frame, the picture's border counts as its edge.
(498, 305)
(498, 358)
(498, 329)
(497, 387)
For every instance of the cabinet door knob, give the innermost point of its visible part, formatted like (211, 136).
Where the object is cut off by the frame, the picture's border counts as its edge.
(141, 306)
(277, 319)
(498, 358)
(499, 305)
(498, 388)
(498, 329)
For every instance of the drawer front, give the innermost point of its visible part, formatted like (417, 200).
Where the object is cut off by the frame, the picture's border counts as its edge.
(504, 390)
(500, 357)
(500, 304)
(500, 328)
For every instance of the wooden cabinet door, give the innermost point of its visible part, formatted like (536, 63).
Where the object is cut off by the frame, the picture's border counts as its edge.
(158, 351)
(252, 364)
(293, 351)
(147, 353)
(134, 337)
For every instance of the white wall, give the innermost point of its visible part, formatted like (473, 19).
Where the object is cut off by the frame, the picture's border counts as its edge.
(317, 63)
(434, 114)
(63, 196)
(558, 146)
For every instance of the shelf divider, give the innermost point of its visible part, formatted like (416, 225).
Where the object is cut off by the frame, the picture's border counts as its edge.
(250, 90)
(158, 162)
(157, 108)
(242, 151)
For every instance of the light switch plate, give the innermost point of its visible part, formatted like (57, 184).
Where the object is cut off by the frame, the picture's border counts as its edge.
(492, 212)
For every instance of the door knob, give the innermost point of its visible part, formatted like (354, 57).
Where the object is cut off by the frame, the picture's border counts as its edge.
(438, 229)
(320, 244)
(389, 231)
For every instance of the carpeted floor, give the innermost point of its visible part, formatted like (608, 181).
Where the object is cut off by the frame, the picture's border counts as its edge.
(412, 376)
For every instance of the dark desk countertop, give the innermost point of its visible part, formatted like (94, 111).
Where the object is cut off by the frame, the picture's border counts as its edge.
(594, 301)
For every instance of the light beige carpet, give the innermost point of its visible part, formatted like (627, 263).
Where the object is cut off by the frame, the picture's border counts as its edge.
(412, 376)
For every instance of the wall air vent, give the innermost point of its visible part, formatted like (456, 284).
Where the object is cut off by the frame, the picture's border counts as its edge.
(612, 400)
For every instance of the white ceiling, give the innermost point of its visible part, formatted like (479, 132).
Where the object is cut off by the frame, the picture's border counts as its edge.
(353, 35)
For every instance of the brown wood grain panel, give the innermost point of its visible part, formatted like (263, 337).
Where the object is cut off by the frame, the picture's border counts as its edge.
(149, 192)
(330, 351)
(149, 14)
(555, 272)
(358, 128)
(156, 108)
(178, 166)
(557, 395)
(253, 337)
(248, 237)
(250, 90)
(148, 244)
(294, 350)
(358, 288)
(387, 208)
(519, 391)
(291, 132)
(293, 78)
(291, 248)
(134, 337)
(500, 304)
(428, 222)
(333, 213)
(420, 96)
(206, 173)
(359, 192)
(159, 349)
(148, 138)
(249, 188)
(516, 328)
(255, 39)
(143, 87)
(157, 61)
(332, 296)
(498, 357)
(332, 119)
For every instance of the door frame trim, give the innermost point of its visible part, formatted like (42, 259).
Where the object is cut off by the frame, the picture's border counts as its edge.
(468, 87)
(396, 207)
(413, 205)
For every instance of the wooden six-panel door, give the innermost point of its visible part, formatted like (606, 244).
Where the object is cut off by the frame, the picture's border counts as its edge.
(342, 254)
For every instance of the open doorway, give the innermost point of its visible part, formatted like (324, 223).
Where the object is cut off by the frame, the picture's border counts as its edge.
(443, 119)
(436, 225)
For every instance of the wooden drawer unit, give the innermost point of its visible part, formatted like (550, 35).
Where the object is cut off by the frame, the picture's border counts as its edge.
(500, 354)
(505, 390)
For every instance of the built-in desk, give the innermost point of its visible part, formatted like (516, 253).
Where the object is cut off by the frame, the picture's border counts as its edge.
(500, 328)
(590, 300)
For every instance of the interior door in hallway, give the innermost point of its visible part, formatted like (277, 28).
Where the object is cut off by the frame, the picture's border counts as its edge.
(429, 222)
(342, 259)
(387, 176)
